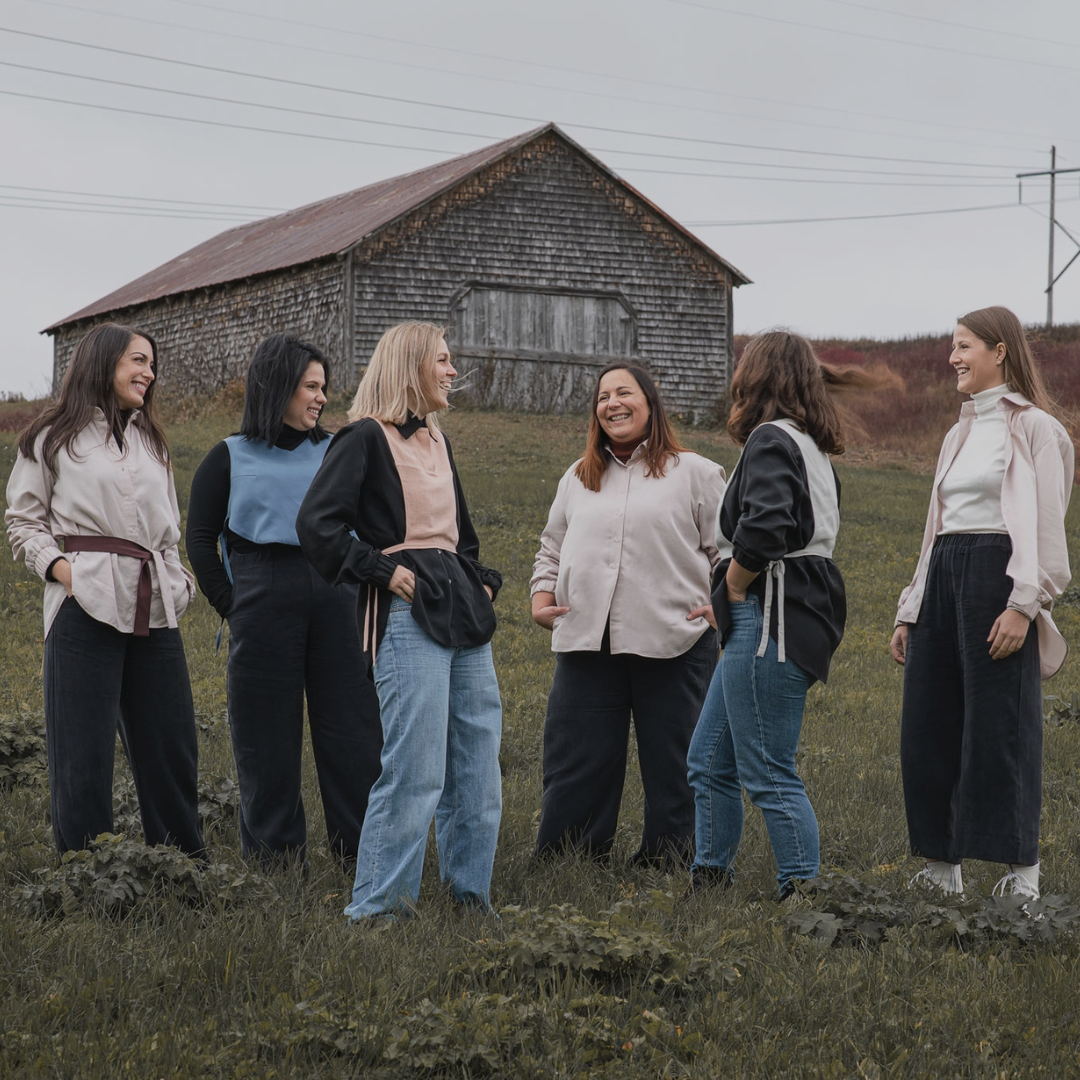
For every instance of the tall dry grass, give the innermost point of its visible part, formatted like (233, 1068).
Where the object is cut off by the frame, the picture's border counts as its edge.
(907, 418)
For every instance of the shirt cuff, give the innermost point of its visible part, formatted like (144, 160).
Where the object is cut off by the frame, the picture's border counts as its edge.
(45, 559)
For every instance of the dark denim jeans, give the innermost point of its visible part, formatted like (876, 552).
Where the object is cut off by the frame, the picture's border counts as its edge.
(97, 680)
(586, 736)
(291, 634)
(971, 730)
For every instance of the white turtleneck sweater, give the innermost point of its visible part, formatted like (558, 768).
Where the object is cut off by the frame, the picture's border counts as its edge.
(970, 491)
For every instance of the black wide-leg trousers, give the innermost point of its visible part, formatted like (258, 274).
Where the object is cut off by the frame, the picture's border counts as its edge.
(586, 737)
(289, 634)
(98, 680)
(971, 729)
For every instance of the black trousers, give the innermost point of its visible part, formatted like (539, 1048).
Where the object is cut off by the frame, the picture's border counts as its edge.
(586, 735)
(98, 680)
(971, 729)
(291, 633)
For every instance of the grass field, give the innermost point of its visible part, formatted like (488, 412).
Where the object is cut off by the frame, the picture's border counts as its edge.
(130, 963)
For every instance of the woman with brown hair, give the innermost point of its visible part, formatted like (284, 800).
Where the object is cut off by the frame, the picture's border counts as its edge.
(994, 557)
(92, 511)
(780, 605)
(386, 511)
(622, 581)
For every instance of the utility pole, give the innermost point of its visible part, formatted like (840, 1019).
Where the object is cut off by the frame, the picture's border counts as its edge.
(1051, 280)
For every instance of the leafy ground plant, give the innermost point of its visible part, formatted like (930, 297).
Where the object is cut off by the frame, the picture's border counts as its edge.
(848, 911)
(117, 877)
(22, 749)
(615, 950)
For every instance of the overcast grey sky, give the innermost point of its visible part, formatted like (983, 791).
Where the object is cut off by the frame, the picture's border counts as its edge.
(132, 130)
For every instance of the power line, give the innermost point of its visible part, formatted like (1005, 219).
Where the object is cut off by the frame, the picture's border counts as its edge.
(13, 202)
(475, 135)
(140, 198)
(221, 123)
(636, 80)
(873, 37)
(850, 217)
(1011, 34)
(488, 112)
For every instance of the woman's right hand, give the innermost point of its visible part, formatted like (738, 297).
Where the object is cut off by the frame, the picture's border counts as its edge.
(61, 571)
(898, 645)
(403, 583)
(545, 611)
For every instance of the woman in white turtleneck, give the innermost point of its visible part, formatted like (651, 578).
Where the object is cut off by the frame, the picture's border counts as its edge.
(993, 559)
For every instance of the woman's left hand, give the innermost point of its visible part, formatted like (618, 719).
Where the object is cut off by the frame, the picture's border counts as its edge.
(491, 593)
(1008, 633)
(704, 612)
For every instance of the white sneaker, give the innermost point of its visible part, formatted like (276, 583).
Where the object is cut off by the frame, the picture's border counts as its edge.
(930, 881)
(1013, 884)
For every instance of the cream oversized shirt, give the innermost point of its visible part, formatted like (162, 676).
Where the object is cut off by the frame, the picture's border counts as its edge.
(639, 552)
(99, 490)
(1035, 492)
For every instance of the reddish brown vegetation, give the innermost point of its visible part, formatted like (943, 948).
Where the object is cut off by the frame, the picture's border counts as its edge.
(909, 415)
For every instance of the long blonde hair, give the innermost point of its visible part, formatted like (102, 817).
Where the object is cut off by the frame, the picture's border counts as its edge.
(400, 380)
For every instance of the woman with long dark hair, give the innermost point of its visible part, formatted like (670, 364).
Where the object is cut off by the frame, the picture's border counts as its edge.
(622, 581)
(290, 634)
(387, 511)
(780, 606)
(92, 511)
(994, 557)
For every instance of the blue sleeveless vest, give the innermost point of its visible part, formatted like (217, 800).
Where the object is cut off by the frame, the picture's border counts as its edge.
(267, 486)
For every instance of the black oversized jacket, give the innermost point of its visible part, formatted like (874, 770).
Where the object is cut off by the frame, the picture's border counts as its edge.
(766, 513)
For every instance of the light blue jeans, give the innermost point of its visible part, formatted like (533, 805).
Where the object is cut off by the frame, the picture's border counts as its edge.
(746, 737)
(442, 723)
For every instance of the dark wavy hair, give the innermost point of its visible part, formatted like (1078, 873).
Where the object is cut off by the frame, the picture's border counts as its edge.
(273, 375)
(661, 444)
(997, 325)
(780, 376)
(88, 385)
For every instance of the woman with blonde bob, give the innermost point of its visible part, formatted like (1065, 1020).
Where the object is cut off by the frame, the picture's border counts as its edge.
(994, 557)
(779, 601)
(386, 511)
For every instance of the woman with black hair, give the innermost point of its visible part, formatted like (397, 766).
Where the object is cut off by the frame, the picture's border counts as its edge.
(92, 511)
(289, 632)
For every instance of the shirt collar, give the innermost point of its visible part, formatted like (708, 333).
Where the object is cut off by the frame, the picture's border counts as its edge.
(411, 426)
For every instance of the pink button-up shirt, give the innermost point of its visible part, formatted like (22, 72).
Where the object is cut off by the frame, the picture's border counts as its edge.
(638, 552)
(99, 490)
(1034, 497)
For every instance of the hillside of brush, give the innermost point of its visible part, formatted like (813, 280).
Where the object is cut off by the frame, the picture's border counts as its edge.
(907, 418)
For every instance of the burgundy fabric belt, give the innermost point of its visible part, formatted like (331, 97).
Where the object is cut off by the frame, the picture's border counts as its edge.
(114, 545)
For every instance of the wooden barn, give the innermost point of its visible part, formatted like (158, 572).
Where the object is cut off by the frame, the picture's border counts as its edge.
(543, 263)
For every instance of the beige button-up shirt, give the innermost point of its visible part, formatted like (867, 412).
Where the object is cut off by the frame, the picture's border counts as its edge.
(639, 552)
(1034, 497)
(99, 490)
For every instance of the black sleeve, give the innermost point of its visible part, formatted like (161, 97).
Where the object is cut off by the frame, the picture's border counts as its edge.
(330, 513)
(468, 541)
(774, 514)
(208, 507)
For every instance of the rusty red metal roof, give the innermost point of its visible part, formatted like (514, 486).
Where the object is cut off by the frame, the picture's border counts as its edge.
(328, 227)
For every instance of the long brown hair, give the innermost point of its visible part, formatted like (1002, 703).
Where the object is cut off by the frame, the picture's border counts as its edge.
(661, 444)
(780, 376)
(88, 385)
(999, 326)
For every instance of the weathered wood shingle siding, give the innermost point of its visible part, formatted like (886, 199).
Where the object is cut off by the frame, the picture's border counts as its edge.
(544, 218)
(206, 338)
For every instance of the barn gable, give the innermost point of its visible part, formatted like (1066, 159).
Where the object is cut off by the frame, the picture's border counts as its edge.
(542, 262)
